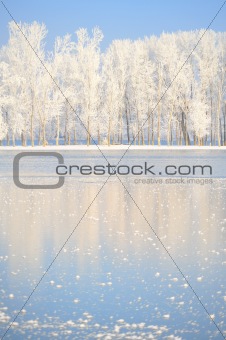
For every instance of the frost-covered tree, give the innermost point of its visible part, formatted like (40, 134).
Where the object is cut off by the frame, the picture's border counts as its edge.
(147, 91)
(25, 66)
(88, 58)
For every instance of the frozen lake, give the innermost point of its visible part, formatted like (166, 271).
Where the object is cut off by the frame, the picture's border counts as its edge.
(114, 279)
(160, 158)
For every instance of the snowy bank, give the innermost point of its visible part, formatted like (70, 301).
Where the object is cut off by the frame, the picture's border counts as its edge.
(110, 148)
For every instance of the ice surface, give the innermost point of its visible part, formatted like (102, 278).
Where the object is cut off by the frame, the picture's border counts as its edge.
(113, 279)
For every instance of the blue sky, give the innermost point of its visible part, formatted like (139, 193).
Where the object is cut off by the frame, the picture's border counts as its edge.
(118, 19)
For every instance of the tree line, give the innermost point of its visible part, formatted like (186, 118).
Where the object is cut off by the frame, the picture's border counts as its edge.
(148, 91)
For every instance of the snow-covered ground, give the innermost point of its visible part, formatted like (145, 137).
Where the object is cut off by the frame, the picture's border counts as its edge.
(108, 148)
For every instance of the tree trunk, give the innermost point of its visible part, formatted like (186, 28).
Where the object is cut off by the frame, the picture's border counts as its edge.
(121, 129)
(180, 136)
(88, 132)
(171, 136)
(218, 122)
(13, 138)
(127, 126)
(184, 129)
(58, 130)
(169, 126)
(23, 137)
(98, 136)
(44, 143)
(194, 137)
(149, 130)
(159, 119)
(32, 130)
(153, 134)
(75, 139)
(39, 136)
(109, 131)
(225, 126)
(142, 136)
(159, 105)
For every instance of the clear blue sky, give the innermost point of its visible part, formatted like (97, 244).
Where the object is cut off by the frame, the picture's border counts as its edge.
(118, 19)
